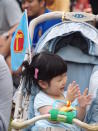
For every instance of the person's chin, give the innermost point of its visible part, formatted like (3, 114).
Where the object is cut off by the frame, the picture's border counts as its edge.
(29, 14)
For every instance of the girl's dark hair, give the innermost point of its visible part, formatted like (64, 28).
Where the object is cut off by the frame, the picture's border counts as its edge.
(48, 65)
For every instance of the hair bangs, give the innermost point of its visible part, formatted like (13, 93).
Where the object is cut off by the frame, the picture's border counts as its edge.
(51, 66)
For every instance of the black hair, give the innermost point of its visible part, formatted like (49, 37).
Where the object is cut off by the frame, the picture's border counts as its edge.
(49, 66)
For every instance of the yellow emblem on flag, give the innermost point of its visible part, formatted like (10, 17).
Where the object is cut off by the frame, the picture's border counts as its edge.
(19, 42)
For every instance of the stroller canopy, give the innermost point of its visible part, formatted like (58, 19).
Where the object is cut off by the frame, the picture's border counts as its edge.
(71, 38)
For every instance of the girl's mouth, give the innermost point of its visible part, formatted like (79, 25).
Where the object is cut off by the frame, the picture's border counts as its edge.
(62, 89)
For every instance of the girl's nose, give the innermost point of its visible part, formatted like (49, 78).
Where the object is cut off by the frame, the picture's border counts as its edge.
(64, 80)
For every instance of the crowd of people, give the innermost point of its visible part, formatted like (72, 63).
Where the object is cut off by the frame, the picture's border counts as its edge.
(11, 13)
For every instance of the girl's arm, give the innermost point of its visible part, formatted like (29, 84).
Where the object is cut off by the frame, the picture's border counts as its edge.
(45, 110)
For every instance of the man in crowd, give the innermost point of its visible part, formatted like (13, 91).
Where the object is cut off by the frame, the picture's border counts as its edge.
(36, 8)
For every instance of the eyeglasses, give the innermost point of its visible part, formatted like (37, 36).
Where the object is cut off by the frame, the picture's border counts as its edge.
(23, 1)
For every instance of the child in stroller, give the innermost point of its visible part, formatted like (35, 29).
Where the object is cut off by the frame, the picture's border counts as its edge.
(51, 78)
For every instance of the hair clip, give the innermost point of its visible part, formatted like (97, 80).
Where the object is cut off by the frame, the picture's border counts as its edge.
(36, 73)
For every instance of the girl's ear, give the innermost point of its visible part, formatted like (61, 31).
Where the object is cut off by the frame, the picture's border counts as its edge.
(43, 84)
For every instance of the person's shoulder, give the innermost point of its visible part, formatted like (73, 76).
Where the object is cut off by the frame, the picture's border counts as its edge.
(41, 95)
(40, 100)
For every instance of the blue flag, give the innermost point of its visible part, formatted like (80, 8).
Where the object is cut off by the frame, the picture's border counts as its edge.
(20, 43)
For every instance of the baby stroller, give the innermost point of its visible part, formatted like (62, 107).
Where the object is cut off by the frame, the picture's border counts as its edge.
(76, 43)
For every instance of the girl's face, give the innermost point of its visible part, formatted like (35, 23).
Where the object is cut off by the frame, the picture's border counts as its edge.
(56, 85)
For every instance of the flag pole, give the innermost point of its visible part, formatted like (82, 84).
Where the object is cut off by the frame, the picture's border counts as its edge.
(29, 46)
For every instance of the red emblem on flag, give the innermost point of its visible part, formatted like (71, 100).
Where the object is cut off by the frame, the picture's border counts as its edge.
(19, 42)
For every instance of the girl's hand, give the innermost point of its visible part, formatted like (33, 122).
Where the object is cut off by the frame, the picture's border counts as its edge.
(84, 99)
(73, 91)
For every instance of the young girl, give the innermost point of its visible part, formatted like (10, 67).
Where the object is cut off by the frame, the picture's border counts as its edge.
(48, 72)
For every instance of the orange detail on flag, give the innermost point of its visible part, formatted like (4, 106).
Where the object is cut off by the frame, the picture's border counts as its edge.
(19, 42)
